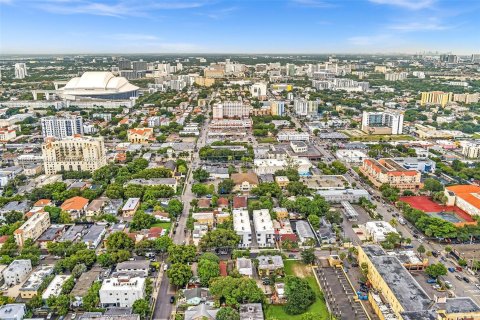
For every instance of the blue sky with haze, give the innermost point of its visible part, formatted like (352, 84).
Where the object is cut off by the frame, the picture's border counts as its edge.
(248, 26)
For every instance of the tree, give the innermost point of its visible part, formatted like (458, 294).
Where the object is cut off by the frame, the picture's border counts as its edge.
(314, 221)
(142, 220)
(448, 249)
(182, 253)
(142, 308)
(201, 175)
(162, 243)
(436, 270)
(119, 240)
(432, 185)
(421, 249)
(68, 285)
(234, 291)
(308, 256)
(179, 274)
(219, 238)
(114, 191)
(60, 305)
(226, 186)
(133, 191)
(299, 295)
(227, 313)
(201, 189)
(174, 208)
(297, 188)
(92, 298)
(207, 270)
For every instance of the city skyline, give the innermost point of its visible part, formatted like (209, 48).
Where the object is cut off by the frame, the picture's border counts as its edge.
(263, 27)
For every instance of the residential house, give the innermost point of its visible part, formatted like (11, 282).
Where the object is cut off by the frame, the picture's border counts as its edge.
(75, 207)
(244, 182)
(94, 236)
(240, 202)
(113, 206)
(282, 181)
(195, 296)
(130, 207)
(83, 284)
(268, 265)
(139, 267)
(31, 287)
(244, 266)
(251, 311)
(206, 218)
(201, 312)
(95, 207)
(140, 135)
(13, 311)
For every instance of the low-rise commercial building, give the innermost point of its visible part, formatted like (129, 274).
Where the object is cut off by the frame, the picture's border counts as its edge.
(270, 166)
(292, 135)
(466, 197)
(139, 267)
(379, 230)
(350, 195)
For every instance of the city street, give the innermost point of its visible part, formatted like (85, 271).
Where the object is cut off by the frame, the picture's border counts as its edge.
(163, 307)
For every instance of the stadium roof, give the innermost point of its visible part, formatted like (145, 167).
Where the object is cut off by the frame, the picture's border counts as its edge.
(98, 82)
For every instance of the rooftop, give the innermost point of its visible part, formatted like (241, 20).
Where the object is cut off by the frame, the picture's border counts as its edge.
(75, 203)
(35, 280)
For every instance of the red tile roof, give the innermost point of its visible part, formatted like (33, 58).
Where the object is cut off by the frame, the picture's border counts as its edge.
(75, 203)
(239, 202)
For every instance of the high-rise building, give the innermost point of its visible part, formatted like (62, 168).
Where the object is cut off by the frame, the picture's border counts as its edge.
(124, 64)
(277, 108)
(471, 150)
(231, 109)
(73, 154)
(476, 58)
(396, 76)
(304, 107)
(139, 65)
(258, 89)
(20, 70)
(389, 122)
(62, 127)
(436, 98)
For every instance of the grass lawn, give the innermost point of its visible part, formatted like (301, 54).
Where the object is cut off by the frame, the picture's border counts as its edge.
(476, 136)
(297, 268)
(164, 225)
(267, 140)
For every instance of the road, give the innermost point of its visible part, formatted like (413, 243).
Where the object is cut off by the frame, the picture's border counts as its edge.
(163, 307)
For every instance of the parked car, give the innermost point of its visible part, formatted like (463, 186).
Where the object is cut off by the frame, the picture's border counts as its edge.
(458, 277)
(466, 279)
(451, 269)
(172, 299)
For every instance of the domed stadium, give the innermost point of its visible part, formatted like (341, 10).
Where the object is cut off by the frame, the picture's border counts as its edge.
(98, 85)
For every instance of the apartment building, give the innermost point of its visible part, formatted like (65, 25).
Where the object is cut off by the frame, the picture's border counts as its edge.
(387, 171)
(32, 228)
(396, 76)
(20, 70)
(122, 291)
(17, 272)
(7, 134)
(388, 122)
(60, 127)
(436, 98)
(471, 150)
(75, 207)
(55, 287)
(466, 97)
(264, 231)
(304, 107)
(136, 266)
(140, 135)
(31, 287)
(258, 90)
(13, 311)
(241, 226)
(231, 109)
(73, 154)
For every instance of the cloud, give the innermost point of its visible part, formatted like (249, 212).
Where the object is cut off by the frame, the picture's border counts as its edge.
(220, 13)
(407, 4)
(419, 26)
(312, 3)
(369, 40)
(134, 37)
(114, 9)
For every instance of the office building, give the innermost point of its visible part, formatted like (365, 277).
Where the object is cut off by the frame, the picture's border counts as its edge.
(20, 70)
(387, 171)
(62, 127)
(388, 122)
(241, 226)
(231, 109)
(73, 154)
(31, 287)
(471, 150)
(258, 90)
(264, 231)
(424, 165)
(122, 291)
(32, 228)
(292, 135)
(350, 195)
(436, 98)
(17, 272)
(270, 166)
(277, 108)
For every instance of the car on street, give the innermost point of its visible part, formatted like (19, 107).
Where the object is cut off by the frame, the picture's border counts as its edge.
(466, 279)
(458, 277)
(172, 299)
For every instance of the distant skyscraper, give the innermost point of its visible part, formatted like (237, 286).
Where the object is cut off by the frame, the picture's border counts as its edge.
(20, 70)
(62, 127)
(476, 57)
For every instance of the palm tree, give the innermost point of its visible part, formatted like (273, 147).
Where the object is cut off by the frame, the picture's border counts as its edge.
(393, 222)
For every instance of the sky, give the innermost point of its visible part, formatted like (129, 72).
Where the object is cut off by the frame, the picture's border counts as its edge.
(244, 26)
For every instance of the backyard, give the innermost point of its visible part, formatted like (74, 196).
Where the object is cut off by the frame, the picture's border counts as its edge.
(164, 225)
(297, 268)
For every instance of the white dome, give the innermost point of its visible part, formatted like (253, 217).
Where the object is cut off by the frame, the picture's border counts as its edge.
(97, 83)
